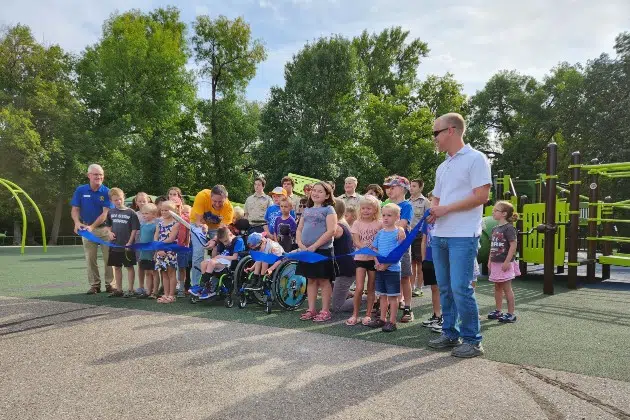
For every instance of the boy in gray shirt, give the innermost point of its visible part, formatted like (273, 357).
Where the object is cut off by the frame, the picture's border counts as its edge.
(123, 224)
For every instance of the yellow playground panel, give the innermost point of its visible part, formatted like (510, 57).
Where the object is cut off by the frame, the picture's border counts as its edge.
(301, 181)
(534, 242)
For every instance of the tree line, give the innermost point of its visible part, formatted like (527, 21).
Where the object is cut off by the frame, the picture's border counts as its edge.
(349, 106)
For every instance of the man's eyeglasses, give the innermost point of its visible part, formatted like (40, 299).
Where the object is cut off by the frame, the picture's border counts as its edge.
(437, 132)
(98, 175)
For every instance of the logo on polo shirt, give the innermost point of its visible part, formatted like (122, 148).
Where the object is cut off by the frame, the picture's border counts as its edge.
(101, 198)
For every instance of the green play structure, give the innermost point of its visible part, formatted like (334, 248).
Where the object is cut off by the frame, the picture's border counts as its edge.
(551, 214)
(16, 191)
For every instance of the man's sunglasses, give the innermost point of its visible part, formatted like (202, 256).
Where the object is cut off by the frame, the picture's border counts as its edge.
(437, 133)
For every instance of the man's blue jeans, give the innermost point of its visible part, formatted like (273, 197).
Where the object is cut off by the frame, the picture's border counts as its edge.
(453, 259)
(198, 253)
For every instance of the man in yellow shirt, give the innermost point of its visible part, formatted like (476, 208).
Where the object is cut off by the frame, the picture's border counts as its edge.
(212, 208)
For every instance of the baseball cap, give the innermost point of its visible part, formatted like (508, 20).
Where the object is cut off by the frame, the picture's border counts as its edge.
(279, 191)
(397, 181)
(254, 239)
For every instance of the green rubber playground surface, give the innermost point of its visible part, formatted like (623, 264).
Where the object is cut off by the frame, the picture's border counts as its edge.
(584, 331)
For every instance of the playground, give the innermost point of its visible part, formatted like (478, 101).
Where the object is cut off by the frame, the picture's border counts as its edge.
(569, 345)
(567, 356)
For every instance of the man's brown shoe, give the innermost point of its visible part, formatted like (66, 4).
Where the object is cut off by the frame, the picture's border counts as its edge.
(109, 289)
(94, 290)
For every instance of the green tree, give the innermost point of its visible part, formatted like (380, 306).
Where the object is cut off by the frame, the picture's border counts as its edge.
(317, 113)
(227, 55)
(37, 93)
(136, 89)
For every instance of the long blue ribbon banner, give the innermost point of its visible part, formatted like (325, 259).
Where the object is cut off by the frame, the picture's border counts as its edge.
(148, 246)
(311, 257)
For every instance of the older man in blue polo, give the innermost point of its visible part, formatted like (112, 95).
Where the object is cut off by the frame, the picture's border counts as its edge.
(462, 186)
(90, 205)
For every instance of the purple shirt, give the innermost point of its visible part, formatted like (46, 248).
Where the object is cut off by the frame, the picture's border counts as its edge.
(289, 222)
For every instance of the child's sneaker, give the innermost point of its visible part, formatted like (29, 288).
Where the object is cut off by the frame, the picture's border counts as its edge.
(417, 292)
(407, 315)
(496, 314)
(508, 318)
(140, 291)
(436, 327)
(389, 327)
(429, 322)
(206, 294)
(181, 294)
(195, 290)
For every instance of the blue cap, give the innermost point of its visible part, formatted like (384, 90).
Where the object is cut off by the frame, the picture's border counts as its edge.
(254, 239)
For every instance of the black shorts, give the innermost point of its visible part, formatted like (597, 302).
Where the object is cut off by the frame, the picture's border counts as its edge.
(125, 258)
(320, 270)
(368, 265)
(147, 264)
(416, 249)
(428, 273)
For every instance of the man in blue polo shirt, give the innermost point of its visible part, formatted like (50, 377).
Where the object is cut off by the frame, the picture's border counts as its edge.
(90, 205)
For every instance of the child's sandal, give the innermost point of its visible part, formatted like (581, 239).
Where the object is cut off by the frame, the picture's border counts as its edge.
(366, 320)
(308, 315)
(323, 316)
(352, 321)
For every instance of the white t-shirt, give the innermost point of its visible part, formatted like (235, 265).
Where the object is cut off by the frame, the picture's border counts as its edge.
(455, 180)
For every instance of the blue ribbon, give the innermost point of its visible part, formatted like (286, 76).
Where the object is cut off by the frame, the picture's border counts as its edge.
(148, 246)
(312, 257)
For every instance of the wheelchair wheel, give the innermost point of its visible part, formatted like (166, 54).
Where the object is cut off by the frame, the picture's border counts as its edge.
(239, 272)
(289, 288)
(242, 301)
(229, 302)
(194, 299)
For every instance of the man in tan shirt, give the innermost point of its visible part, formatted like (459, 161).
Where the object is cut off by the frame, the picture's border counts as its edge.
(350, 197)
(257, 203)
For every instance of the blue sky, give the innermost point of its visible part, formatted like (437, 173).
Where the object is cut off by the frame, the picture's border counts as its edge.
(472, 39)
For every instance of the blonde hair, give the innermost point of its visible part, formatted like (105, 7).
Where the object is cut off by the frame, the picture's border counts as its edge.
(169, 205)
(395, 208)
(453, 119)
(239, 213)
(286, 199)
(507, 207)
(352, 179)
(186, 207)
(116, 192)
(150, 208)
(223, 233)
(370, 200)
(353, 211)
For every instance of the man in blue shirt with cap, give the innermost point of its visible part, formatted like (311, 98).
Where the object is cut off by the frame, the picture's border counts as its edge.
(90, 205)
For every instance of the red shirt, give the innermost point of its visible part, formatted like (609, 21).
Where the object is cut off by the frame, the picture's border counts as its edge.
(183, 236)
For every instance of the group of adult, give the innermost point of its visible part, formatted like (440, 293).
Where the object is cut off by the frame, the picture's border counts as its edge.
(462, 187)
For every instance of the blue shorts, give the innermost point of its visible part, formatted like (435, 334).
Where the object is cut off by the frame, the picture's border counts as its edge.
(184, 259)
(388, 283)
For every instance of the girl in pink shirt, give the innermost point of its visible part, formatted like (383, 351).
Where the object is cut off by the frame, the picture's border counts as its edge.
(363, 232)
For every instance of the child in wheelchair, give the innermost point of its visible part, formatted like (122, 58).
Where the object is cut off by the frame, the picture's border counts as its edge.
(226, 249)
(257, 242)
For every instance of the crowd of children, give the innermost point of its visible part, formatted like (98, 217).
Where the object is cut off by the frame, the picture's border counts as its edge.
(319, 223)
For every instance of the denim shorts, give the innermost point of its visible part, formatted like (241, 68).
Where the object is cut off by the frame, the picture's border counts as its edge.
(184, 259)
(388, 283)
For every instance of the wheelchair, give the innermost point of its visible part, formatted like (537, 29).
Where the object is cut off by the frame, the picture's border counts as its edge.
(224, 285)
(282, 286)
